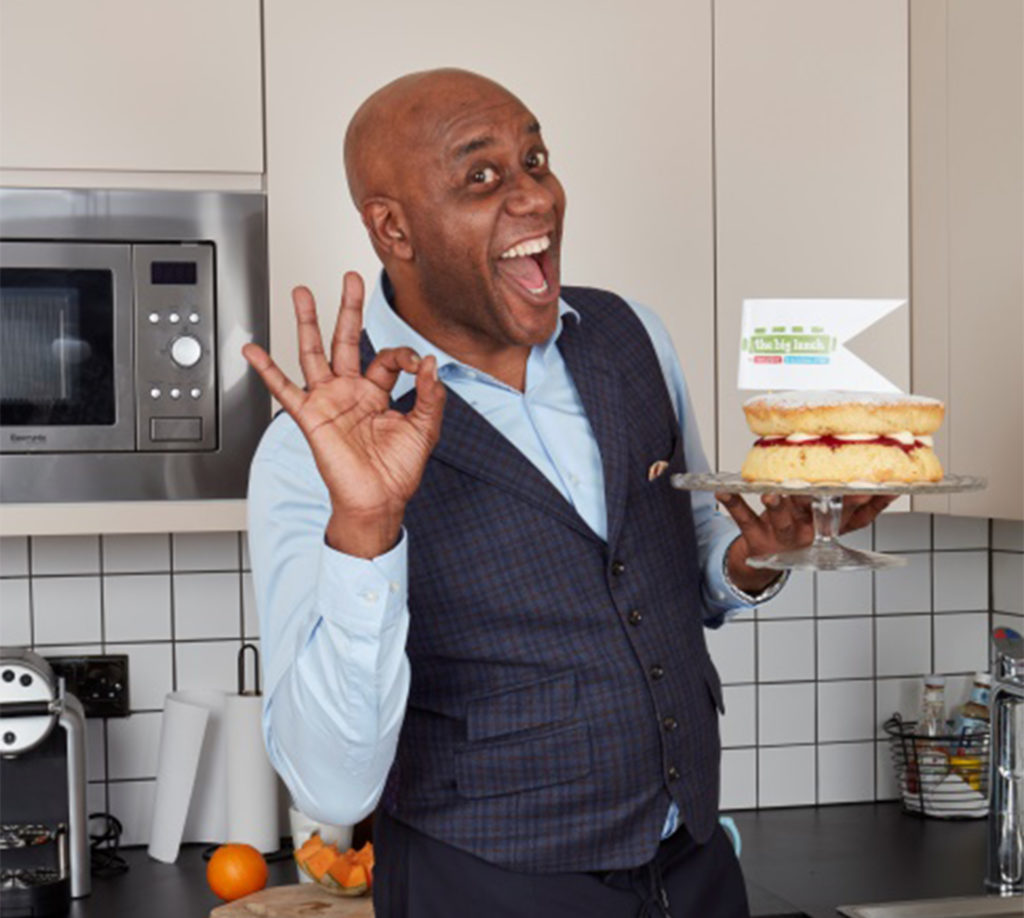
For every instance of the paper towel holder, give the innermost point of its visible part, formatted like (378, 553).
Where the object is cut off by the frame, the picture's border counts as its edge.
(242, 690)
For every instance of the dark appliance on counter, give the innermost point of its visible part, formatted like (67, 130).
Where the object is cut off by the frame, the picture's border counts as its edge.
(44, 846)
(122, 318)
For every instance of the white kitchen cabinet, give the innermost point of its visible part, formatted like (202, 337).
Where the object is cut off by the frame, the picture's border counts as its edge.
(811, 171)
(967, 228)
(623, 92)
(170, 86)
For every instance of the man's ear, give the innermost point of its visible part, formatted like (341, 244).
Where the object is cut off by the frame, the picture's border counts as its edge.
(385, 221)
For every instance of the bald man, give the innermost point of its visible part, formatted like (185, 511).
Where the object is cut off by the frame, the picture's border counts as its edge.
(481, 602)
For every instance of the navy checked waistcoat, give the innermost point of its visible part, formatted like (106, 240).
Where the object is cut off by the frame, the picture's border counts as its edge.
(561, 688)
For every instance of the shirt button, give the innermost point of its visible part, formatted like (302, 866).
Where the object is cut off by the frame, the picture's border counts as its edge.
(673, 773)
(617, 568)
(670, 724)
(657, 672)
(369, 595)
(394, 587)
(635, 617)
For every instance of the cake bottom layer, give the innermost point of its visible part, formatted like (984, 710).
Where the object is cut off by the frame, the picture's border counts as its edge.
(851, 462)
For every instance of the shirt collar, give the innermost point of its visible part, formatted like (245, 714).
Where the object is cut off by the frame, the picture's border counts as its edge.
(386, 328)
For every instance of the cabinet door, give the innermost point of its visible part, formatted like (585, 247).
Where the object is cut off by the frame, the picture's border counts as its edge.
(623, 92)
(123, 85)
(967, 144)
(811, 170)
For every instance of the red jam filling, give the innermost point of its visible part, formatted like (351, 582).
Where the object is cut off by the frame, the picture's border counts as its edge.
(834, 443)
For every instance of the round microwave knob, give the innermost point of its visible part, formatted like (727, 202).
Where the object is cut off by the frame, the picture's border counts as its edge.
(186, 351)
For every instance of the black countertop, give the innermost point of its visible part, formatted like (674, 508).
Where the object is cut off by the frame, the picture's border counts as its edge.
(808, 860)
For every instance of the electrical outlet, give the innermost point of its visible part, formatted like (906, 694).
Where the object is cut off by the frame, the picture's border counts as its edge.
(100, 682)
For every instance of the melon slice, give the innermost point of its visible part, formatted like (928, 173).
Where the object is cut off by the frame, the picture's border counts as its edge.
(317, 864)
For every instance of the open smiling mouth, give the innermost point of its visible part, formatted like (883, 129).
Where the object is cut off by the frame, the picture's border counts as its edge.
(529, 264)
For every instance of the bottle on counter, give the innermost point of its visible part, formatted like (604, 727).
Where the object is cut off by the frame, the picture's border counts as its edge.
(973, 716)
(932, 763)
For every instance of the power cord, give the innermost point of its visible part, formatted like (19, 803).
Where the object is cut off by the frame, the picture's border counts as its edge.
(104, 846)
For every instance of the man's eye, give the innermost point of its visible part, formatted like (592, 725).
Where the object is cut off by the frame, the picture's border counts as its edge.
(538, 159)
(483, 176)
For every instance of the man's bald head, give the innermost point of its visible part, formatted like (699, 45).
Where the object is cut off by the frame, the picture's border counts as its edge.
(401, 119)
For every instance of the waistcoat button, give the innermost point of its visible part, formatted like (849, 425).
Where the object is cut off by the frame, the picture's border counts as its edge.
(657, 672)
(635, 617)
(673, 773)
(617, 568)
(670, 724)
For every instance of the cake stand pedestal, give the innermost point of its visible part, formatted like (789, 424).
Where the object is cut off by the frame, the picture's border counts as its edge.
(826, 552)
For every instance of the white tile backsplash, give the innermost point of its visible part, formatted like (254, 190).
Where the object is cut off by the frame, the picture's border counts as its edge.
(844, 593)
(250, 614)
(13, 556)
(786, 776)
(739, 723)
(78, 554)
(959, 532)
(206, 551)
(846, 772)
(785, 713)
(207, 664)
(896, 696)
(961, 642)
(846, 710)
(1008, 535)
(137, 607)
(886, 787)
(137, 553)
(66, 610)
(15, 612)
(132, 803)
(844, 648)
(961, 581)
(903, 531)
(795, 599)
(905, 589)
(150, 673)
(1008, 582)
(739, 779)
(207, 606)
(134, 743)
(785, 651)
(732, 649)
(903, 645)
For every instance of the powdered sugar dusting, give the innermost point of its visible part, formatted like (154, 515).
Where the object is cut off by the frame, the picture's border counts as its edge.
(812, 399)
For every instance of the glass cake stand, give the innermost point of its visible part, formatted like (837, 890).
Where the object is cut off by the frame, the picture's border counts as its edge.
(826, 552)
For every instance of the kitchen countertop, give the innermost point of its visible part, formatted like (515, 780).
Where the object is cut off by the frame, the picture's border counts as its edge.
(808, 860)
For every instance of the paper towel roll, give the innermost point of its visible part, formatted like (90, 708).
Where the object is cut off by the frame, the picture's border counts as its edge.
(182, 731)
(252, 799)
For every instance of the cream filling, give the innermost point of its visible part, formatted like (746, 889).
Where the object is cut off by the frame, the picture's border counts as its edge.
(903, 437)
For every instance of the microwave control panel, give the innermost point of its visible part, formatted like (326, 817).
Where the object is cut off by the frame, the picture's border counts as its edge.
(175, 347)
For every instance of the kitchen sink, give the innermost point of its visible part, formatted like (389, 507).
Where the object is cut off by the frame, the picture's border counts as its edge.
(970, 907)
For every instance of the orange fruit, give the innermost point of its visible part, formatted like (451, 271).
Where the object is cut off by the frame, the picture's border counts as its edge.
(235, 871)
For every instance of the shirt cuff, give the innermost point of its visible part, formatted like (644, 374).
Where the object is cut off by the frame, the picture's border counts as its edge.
(751, 599)
(364, 595)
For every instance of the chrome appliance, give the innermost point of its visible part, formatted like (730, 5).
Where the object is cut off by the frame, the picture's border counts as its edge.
(44, 850)
(122, 317)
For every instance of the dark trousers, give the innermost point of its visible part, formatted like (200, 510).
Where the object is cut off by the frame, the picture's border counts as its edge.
(419, 877)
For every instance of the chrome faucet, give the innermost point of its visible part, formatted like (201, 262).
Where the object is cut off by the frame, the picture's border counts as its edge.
(1006, 813)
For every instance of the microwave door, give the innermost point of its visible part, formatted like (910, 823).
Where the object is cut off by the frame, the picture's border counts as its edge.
(66, 347)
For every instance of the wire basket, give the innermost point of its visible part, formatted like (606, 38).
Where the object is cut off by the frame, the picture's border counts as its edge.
(944, 776)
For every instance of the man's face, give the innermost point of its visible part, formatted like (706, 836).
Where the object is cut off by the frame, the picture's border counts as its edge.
(485, 215)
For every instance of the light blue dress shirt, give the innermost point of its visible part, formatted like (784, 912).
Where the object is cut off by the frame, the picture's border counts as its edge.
(333, 627)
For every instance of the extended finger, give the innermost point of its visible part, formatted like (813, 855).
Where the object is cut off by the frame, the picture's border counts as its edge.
(428, 409)
(389, 363)
(281, 387)
(311, 345)
(345, 344)
(780, 517)
(740, 511)
(866, 512)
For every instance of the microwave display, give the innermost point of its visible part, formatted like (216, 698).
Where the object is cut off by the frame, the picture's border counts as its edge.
(56, 351)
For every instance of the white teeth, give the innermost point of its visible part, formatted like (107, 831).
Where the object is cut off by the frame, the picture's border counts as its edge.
(543, 288)
(529, 247)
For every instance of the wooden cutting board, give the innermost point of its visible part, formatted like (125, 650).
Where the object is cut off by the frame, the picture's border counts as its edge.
(300, 900)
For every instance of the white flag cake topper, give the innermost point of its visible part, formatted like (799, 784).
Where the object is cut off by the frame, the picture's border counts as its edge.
(801, 344)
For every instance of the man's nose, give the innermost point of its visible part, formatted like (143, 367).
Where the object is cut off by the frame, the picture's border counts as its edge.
(529, 196)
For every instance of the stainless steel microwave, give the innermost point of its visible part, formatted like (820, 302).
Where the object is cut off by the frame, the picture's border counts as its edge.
(122, 317)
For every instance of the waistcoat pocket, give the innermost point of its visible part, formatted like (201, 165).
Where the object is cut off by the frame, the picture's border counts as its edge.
(509, 767)
(521, 707)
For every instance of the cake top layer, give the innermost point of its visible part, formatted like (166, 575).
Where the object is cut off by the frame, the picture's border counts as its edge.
(819, 399)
